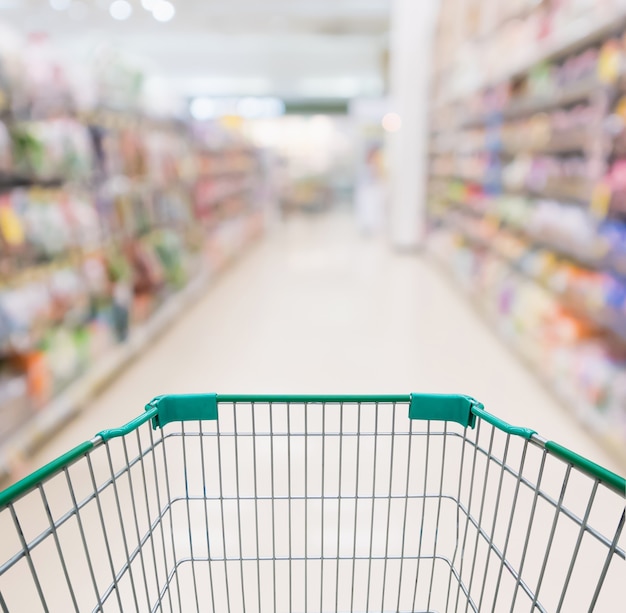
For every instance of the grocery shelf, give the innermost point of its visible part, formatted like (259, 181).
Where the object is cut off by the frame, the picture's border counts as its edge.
(530, 152)
(445, 176)
(570, 190)
(606, 320)
(586, 414)
(579, 34)
(105, 215)
(29, 437)
(572, 142)
(230, 192)
(559, 249)
(576, 142)
(567, 96)
(567, 190)
(518, 14)
(10, 182)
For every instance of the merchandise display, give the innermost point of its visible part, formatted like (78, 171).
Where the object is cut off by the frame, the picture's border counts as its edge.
(105, 214)
(527, 189)
(572, 353)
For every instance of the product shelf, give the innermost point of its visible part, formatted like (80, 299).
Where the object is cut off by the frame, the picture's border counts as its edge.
(31, 434)
(101, 229)
(602, 319)
(564, 249)
(584, 412)
(580, 33)
(572, 191)
(527, 180)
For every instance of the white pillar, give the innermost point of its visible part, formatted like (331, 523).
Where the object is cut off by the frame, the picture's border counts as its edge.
(412, 29)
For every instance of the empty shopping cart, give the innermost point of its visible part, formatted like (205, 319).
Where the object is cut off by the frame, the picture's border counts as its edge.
(314, 503)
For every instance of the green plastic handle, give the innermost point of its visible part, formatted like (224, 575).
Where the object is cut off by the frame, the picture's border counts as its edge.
(479, 411)
(443, 407)
(12, 493)
(183, 407)
(315, 398)
(151, 413)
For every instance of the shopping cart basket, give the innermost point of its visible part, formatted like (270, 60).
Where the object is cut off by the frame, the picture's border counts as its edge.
(314, 503)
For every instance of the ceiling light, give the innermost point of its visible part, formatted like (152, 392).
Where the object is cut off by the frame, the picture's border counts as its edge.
(163, 11)
(149, 4)
(202, 109)
(252, 108)
(60, 5)
(392, 122)
(121, 10)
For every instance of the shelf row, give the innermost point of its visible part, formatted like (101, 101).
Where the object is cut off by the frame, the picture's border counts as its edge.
(560, 229)
(95, 360)
(527, 188)
(58, 244)
(542, 38)
(91, 150)
(586, 180)
(111, 208)
(584, 372)
(576, 191)
(594, 127)
(579, 91)
(585, 293)
(563, 133)
(84, 265)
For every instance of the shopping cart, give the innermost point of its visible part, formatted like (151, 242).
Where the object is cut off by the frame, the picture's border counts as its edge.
(314, 503)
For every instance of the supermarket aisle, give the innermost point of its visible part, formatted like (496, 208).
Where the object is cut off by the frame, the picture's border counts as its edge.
(317, 308)
(313, 308)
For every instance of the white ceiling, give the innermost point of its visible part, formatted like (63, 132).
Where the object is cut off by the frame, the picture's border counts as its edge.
(289, 48)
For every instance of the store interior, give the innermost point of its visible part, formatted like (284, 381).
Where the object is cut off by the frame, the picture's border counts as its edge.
(312, 305)
(146, 147)
(132, 172)
(149, 149)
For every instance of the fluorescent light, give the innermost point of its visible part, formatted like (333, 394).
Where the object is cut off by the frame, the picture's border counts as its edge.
(252, 108)
(163, 11)
(121, 10)
(202, 109)
(60, 5)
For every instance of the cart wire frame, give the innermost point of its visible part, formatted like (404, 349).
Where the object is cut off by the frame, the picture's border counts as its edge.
(314, 503)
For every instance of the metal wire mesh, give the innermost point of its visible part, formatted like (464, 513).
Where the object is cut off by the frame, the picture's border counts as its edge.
(315, 507)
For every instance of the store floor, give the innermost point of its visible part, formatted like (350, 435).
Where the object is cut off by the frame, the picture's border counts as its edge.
(315, 307)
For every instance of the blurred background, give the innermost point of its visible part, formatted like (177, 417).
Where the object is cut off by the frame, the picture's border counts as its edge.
(146, 144)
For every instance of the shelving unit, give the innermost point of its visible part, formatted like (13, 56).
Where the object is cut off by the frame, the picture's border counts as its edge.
(526, 195)
(572, 26)
(111, 221)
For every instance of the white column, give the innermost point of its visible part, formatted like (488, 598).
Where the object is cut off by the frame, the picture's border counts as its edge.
(412, 29)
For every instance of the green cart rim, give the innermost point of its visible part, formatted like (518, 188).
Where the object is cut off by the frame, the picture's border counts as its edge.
(475, 408)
